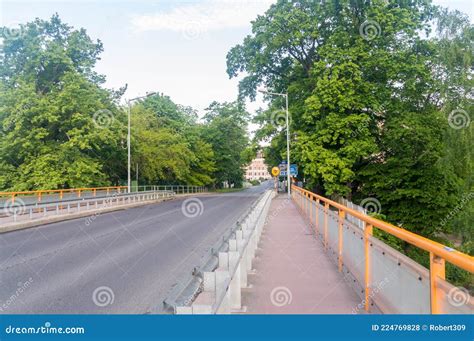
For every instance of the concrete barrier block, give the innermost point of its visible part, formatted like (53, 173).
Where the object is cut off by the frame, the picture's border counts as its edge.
(222, 281)
(235, 291)
(241, 244)
(243, 270)
(209, 281)
(234, 258)
(232, 245)
(204, 303)
(224, 260)
(184, 310)
(225, 305)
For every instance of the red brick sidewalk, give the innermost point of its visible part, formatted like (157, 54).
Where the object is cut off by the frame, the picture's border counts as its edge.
(293, 273)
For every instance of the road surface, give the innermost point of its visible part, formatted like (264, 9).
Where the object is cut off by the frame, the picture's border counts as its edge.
(119, 262)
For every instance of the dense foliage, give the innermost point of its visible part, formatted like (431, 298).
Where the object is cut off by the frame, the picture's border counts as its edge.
(380, 99)
(60, 128)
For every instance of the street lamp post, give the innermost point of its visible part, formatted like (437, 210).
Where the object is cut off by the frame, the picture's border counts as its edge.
(128, 136)
(285, 95)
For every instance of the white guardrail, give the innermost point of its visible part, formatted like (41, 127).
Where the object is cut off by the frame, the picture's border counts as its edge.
(25, 212)
(220, 290)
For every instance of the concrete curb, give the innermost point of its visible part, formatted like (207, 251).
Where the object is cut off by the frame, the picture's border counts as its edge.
(71, 216)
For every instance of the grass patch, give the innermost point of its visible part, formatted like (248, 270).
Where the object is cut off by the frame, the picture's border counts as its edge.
(227, 190)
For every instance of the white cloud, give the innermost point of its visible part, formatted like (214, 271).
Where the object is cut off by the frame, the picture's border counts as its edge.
(206, 16)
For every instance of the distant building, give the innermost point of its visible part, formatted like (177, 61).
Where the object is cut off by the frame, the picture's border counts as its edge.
(258, 169)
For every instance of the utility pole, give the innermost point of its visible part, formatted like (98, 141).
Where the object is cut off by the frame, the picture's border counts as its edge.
(288, 183)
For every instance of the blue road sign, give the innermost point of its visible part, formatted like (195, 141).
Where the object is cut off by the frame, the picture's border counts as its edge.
(293, 170)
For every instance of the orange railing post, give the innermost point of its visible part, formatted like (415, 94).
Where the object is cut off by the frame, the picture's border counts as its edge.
(316, 220)
(368, 230)
(437, 271)
(306, 202)
(326, 213)
(303, 203)
(342, 216)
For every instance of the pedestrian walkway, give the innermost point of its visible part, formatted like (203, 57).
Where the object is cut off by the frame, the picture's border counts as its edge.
(293, 274)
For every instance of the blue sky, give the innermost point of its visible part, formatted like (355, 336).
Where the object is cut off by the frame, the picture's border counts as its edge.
(175, 47)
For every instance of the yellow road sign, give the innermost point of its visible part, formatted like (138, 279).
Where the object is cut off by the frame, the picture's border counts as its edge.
(275, 171)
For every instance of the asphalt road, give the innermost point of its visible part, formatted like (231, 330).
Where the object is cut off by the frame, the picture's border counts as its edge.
(119, 262)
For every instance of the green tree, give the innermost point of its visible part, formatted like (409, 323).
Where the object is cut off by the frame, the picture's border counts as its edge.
(226, 132)
(59, 126)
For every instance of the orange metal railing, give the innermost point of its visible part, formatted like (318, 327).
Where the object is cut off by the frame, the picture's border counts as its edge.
(79, 191)
(439, 253)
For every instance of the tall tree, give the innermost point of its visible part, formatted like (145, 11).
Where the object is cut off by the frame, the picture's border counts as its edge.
(59, 126)
(226, 131)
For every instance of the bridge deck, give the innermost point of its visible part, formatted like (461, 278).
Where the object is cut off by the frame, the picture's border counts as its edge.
(293, 273)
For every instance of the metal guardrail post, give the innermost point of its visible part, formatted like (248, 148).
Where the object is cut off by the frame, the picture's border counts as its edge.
(342, 216)
(326, 213)
(437, 271)
(316, 223)
(306, 202)
(367, 278)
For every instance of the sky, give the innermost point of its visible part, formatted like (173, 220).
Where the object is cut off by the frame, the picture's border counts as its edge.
(173, 47)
